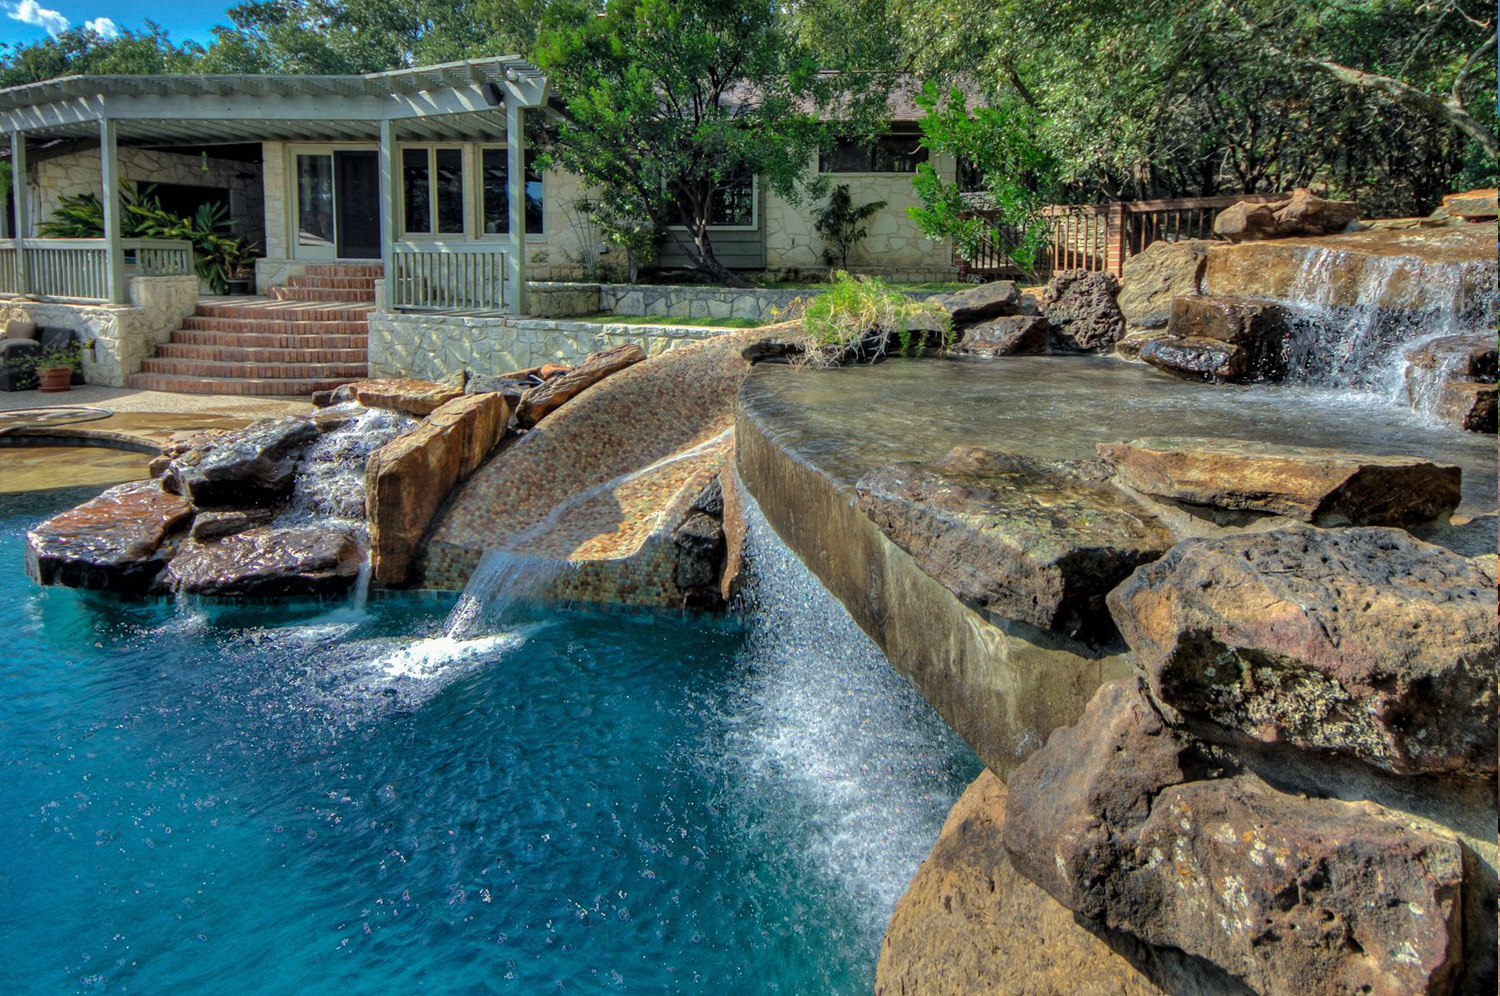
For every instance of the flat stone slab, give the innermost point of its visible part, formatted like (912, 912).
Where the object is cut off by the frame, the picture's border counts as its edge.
(1025, 540)
(267, 562)
(111, 543)
(1313, 484)
(1152, 279)
(1365, 643)
(980, 302)
(542, 400)
(415, 397)
(1005, 336)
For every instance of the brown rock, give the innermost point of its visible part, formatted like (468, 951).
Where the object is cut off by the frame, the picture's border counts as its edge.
(1129, 347)
(416, 397)
(250, 466)
(1150, 280)
(1024, 540)
(1468, 405)
(1473, 205)
(544, 399)
(209, 526)
(980, 302)
(700, 546)
(1258, 328)
(1080, 307)
(115, 542)
(408, 479)
(1328, 487)
(1465, 356)
(1365, 642)
(1198, 359)
(970, 924)
(266, 562)
(1305, 213)
(1293, 896)
(1245, 220)
(1005, 336)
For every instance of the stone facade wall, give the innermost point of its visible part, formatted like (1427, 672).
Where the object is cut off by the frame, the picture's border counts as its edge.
(78, 173)
(694, 301)
(432, 347)
(275, 200)
(123, 335)
(895, 248)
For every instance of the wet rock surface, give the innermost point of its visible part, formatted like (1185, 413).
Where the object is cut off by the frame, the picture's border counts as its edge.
(1152, 279)
(1467, 356)
(118, 541)
(1197, 359)
(1364, 643)
(214, 525)
(1468, 405)
(1139, 827)
(1258, 329)
(408, 479)
(267, 562)
(540, 401)
(981, 302)
(1005, 336)
(1025, 540)
(415, 397)
(1324, 486)
(255, 465)
(1080, 307)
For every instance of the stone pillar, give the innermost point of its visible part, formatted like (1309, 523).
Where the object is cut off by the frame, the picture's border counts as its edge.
(109, 172)
(515, 181)
(390, 199)
(20, 178)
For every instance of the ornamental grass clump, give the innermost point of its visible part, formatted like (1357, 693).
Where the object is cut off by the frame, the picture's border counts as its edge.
(864, 318)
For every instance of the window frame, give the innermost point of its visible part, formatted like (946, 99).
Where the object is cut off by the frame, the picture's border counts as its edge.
(754, 225)
(477, 187)
(431, 148)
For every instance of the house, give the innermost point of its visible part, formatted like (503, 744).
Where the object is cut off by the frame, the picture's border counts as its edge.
(418, 181)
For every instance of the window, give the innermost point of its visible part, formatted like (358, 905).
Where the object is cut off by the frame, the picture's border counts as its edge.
(315, 200)
(497, 194)
(888, 154)
(432, 183)
(733, 204)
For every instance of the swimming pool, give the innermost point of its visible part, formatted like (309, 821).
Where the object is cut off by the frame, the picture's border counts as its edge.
(312, 799)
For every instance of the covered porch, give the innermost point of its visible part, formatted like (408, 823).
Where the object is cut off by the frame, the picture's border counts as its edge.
(364, 169)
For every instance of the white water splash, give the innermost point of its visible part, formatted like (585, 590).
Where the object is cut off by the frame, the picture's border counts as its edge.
(331, 474)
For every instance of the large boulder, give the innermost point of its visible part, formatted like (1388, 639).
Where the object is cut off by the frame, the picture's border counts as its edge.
(267, 562)
(539, 402)
(1005, 336)
(1081, 310)
(1324, 486)
(115, 542)
(1258, 328)
(1468, 404)
(1245, 221)
(1463, 356)
(415, 397)
(969, 924)
(1452, 377)
(1153, 278)
(255, 465)
(1024, 540)
(408, 479)
(1301, 213)
(980, 302)
(1210, 360)
(1364, 642)
(1124, 821)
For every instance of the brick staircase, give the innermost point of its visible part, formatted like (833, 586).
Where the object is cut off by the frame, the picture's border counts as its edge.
(310, 335)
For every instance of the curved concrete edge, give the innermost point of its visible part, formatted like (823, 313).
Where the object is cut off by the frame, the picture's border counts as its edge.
(1001, 692)
(68, 436)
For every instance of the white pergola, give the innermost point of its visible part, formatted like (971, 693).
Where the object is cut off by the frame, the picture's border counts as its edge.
(470, 100)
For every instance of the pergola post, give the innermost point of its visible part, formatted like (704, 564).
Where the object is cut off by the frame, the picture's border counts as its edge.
(390, 174)
(20, 188)
(515, 181)
(109, 172)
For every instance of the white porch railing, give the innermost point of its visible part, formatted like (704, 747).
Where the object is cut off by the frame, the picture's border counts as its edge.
(434, 276)
(78, 269)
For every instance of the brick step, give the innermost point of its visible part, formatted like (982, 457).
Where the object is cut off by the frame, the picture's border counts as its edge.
(257, 387)
(369, 270)
(253, 371)
(257, 354)
(314, 294)
(210, 324)
(365, 285)
(264, 309)
(268, 340)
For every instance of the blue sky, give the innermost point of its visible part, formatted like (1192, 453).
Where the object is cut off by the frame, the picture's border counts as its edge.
(32, 20)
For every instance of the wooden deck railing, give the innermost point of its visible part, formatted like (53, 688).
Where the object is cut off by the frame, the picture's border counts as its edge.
(432, 276)
(1100, 237)
(77, 269)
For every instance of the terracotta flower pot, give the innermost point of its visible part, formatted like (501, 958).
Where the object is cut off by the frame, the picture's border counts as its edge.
(54, 379)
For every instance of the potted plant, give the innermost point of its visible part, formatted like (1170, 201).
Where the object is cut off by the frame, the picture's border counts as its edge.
(54, 366)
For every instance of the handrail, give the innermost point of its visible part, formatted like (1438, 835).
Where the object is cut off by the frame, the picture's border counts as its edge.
(78, 269)
(447, 276)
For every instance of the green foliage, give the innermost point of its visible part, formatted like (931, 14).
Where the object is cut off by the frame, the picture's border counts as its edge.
(842, 225)
(625, 224)
(80, 52)
(1002, 146)
(216, 256)
(69, 356)
(858, 317)
(674, 103)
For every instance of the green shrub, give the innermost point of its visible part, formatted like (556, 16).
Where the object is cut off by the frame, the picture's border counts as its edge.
(859, 317)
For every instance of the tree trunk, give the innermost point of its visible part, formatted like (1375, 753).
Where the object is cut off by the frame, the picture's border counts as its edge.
(705, 261)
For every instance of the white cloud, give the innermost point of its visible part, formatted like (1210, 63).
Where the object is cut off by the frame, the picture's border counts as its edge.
(103, 27)
(31, 12)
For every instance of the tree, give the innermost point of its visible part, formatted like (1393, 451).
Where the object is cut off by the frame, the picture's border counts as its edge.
(678, 103)
(842, 225)
(81, 52)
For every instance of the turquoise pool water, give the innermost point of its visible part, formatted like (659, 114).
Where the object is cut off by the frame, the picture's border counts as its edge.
(311, 799)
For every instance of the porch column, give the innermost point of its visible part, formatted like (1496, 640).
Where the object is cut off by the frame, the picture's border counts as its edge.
(20, 186)
(515, 178)
(114, 256)
(390, 174)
